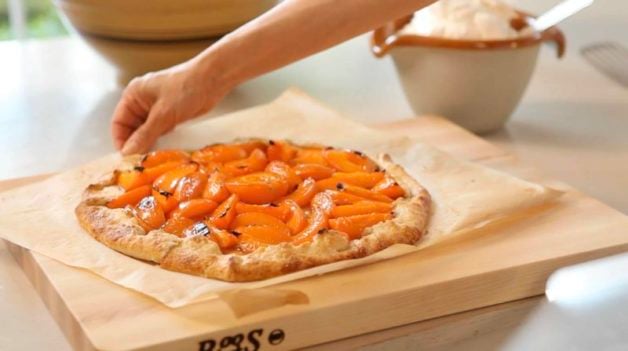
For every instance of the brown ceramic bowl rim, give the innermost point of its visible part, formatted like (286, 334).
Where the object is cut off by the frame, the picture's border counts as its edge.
(387, 37)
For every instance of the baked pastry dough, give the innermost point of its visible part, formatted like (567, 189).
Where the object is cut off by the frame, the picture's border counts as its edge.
(254, 209)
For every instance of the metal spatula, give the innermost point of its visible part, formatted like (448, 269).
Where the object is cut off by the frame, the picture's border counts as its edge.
(609, 58)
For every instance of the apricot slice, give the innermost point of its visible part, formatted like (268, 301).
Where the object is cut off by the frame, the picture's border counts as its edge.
(158, 157)
(365, 193)
(143, 176)
(195, 208)
(342, 198)
(219, 153)
(177, 225)
(314, 171)
(280, 151)
(216, 190)
(167, 182)
(166, 201)
(130, 198)
(210, 168)
(149, 214)
(362, 179)
(354, 226)
(264, 234)
(349, 161)
(224, 214)
(254, 163)
(280, 211)
(258, 188)
(283, 169)
(361, 207)
(297, 220)
(256, 218)
(390, 188)
(190, 187)
(225, 239)
(311, 156)
(329, 184)
(322, 205)
(305, 192)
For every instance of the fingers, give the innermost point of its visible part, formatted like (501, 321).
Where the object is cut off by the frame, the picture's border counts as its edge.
(129, 115)
(147, 134)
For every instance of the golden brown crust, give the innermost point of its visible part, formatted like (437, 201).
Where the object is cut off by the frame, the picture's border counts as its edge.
(118, 229)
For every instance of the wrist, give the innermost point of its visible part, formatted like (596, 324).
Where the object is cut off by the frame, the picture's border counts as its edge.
(216, 70)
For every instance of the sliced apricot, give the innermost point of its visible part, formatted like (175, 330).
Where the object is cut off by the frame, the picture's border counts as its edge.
(354, 226)
(225, 239)
(149, 214)
(390, 188)
(283, 169)
(305, 192)
(199, 228)
(258, 188)
(256, 162)
(365, 193)
(210, 168)
(310, 155)
(296, 220)
(280, 151)
(177, 225)
(143, 176)
(132, 179)
(349, 161)
(216, 190)
(190, 187)
(329, 184)
(224, 214)
(363, 179)
(256, 218)
(280, 211)
(219, 153)
(195, 209)
(342, 198)
(166, 200)
(361, 207)
(264, 234)
(167, 182)
(158, 157)
(130, 198)
(313, 170)
(322, 205)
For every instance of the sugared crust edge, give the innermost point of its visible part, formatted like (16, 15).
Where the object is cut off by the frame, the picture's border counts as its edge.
(119, 230)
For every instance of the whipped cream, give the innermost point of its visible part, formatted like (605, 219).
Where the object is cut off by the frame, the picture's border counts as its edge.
(464, 19)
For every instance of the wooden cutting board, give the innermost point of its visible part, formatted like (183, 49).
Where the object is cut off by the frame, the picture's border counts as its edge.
(501, 263)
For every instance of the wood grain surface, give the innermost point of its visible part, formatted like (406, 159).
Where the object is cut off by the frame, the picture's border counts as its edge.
(501, 263)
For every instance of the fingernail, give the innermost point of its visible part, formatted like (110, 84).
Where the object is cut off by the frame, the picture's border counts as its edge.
(128, 148)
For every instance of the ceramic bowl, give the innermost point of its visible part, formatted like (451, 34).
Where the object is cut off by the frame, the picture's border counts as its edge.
(135, 58)
(140, 36)
(160, 19)
(476, 84)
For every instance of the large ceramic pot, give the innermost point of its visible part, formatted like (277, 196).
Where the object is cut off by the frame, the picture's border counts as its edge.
(139, 36)
(160, 19)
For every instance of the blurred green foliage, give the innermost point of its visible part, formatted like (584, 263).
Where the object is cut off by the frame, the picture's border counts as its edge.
(41, 17)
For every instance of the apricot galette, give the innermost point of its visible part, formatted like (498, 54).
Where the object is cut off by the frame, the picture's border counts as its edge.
(254, 209)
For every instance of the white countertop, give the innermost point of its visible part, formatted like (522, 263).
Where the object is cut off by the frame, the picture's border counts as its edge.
(56, 98)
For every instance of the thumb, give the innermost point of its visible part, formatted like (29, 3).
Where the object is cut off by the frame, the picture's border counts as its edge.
(144, 137)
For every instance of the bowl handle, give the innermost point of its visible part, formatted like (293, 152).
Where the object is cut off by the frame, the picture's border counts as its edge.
(384, 38)
(556, 36)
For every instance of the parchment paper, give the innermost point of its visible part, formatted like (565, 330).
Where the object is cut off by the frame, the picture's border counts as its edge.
(40, 217)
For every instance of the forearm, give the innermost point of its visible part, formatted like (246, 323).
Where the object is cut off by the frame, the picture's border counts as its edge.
(293, 30)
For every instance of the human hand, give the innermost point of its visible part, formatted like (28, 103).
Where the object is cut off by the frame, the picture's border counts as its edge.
(154, 104)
